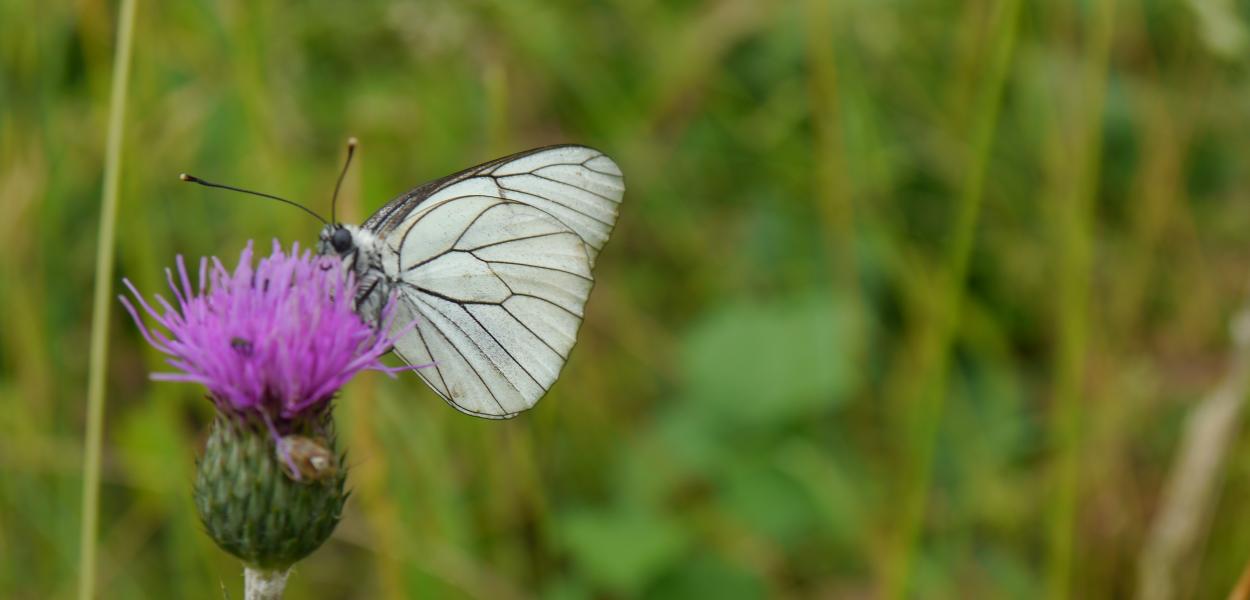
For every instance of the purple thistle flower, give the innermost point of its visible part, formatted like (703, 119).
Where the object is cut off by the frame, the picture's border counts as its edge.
(275, 341)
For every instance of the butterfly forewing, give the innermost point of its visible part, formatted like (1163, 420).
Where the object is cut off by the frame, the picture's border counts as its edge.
(494, 265)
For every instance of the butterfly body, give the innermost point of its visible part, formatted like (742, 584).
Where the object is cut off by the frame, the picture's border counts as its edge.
(362, 256)
(490, 268)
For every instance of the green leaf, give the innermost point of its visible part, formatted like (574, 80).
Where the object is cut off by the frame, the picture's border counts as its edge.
(622, 550)
(773, 361)
(770, 502)
(708, 576)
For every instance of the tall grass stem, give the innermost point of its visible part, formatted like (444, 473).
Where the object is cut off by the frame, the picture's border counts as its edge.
(1075, 263)
(833, 193)
(98, 358)
(931, 397)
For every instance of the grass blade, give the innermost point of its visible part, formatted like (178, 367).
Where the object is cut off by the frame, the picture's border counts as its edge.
(98, 360)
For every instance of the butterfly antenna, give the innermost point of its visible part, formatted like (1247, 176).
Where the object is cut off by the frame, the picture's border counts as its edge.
(334, 200)
(194, 179)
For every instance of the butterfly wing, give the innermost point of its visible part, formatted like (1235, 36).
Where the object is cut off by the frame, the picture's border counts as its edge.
(494, 265)
(579, 186)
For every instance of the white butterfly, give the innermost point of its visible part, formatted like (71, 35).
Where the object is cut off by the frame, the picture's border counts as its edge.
(493, 264)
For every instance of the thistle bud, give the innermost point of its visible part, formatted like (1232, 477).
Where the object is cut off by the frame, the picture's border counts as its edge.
(251, 505)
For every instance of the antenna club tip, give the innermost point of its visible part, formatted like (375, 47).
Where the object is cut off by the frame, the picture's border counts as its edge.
(185, 177)
(352, 142)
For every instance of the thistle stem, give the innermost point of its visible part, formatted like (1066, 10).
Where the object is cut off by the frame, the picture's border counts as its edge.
(260, 584)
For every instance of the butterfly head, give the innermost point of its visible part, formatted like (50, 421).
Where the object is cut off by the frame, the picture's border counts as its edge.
(356, 246)
(347, 242)
(338, 240)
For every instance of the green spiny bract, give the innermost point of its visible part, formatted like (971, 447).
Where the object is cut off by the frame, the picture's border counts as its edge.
(252, 508)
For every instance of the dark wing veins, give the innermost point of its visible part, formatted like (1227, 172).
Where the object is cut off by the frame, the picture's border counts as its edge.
(393, 212)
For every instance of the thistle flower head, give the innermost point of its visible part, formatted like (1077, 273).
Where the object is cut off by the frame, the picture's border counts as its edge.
(275, 340)
(272, 340)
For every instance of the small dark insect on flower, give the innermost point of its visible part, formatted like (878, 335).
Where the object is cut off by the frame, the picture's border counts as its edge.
(241, 346)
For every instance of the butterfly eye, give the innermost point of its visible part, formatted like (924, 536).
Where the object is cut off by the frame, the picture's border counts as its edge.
(341, 240)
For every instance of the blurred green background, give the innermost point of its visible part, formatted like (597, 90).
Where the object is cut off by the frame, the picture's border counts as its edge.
(908, 298)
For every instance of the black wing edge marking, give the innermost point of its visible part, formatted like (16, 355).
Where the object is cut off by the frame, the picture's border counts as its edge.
(393, 212)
